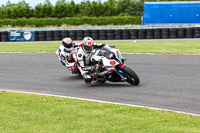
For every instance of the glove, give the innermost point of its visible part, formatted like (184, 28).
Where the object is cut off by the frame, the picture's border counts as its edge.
(111, 46)
(87, 68)
(90, 68)
(69, 65)
(62, 57)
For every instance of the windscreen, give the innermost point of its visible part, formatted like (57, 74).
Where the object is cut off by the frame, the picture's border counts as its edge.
(107, 53)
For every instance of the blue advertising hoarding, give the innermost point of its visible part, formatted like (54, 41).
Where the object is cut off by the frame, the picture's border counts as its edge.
(171, 12)
(19, 35)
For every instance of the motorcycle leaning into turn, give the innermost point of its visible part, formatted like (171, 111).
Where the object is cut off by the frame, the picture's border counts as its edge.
(110, 66)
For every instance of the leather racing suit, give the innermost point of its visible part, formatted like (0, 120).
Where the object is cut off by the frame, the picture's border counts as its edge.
(65, 56)
(85, 59)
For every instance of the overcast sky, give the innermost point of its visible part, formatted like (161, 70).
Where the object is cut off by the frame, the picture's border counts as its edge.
(33, 3)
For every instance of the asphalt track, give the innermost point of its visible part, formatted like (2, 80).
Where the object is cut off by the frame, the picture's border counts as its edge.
(167, 81)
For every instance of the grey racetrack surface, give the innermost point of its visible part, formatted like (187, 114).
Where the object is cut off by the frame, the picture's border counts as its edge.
(167, 81)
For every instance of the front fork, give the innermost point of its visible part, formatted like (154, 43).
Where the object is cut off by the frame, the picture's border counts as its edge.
(120, 72)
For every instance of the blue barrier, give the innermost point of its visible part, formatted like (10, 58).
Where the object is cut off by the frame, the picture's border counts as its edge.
(171, 12)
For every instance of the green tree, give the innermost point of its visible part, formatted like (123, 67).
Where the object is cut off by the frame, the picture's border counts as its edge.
(97, 9)
(85, 8)
(72, 9)
(110, 7)
(63, 9)
(44, 10)
(38, 11)
(22, 9)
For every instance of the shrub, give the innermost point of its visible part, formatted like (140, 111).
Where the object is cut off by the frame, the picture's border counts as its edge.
(41, 22)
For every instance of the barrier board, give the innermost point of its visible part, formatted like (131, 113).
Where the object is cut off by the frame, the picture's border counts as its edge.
(19, 35)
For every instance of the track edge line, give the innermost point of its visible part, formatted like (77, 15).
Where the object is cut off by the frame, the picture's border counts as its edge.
(99, 101)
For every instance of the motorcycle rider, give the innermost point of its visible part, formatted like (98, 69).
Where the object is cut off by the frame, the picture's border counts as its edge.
(84, 57)
(64, 53)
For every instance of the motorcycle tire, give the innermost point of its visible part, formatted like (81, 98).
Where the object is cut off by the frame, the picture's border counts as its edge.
(132, 77)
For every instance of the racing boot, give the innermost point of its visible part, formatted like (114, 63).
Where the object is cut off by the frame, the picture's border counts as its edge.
(87, 78)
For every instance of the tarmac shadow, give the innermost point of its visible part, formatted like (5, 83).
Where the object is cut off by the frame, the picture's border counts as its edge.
(98, 84)
(111, 84)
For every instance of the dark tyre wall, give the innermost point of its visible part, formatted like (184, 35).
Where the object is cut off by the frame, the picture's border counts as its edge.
(57, 35)
(79, 34)
(157, 33)
(118, 34)
(36, 36)
(165, 33)
(133, 33)
(189, 33)
(149, 33)
(42, 36)
(173, 33)
(4, 36)
(110, 34)
(72, 34)
(113, 34)
(197, 32)
(102, 35)
(49, 35)
(142, 34)
(181, 33)
(125, 34)
(87, 33)
(94, 34)
(63, 34)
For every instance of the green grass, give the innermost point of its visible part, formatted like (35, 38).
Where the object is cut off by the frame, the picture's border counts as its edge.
(161, 47)
(29, 47)
(22, 113)
(157, 47)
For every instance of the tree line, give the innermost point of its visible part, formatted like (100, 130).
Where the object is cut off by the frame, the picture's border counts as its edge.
(64, 8)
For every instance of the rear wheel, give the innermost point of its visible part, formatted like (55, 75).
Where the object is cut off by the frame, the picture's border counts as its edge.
(132, 77)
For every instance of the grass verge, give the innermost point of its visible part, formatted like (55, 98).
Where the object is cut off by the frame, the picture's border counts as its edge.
(156, 47)
(32, 113)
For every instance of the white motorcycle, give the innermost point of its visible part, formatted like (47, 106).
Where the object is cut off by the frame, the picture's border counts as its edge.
(111, 67)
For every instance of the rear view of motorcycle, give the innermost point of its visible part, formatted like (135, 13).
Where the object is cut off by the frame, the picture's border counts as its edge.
(111, 67)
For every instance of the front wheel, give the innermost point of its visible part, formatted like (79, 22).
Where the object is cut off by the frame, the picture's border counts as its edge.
(132, 77)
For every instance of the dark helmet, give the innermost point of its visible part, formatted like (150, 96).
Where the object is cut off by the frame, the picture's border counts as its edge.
(88, 44)
(67, 43)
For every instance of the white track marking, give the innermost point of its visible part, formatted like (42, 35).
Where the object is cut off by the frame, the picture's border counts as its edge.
(100, 101)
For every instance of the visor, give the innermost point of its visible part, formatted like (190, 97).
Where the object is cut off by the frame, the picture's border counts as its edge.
(88, 48)
(67, 45)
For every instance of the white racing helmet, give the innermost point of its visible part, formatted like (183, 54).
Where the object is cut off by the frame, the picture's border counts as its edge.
(88, 44)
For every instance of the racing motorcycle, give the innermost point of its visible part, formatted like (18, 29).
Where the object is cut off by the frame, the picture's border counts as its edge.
(111, 67)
